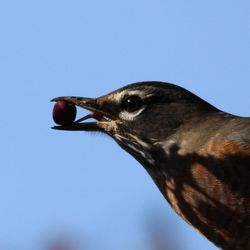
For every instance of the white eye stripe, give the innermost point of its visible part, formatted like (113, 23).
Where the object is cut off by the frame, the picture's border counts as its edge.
(118, 97)
(127, 116)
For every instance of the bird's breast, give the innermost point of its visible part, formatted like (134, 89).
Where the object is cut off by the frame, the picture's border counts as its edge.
(210, 189)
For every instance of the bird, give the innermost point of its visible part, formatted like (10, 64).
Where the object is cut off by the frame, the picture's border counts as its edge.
(197, 155)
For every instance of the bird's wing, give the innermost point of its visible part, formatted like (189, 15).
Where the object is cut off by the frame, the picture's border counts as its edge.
(221, 173)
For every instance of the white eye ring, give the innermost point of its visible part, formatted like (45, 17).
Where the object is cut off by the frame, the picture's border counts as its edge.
(130, 116)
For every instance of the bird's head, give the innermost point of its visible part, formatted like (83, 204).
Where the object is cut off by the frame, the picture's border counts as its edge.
(138, 115)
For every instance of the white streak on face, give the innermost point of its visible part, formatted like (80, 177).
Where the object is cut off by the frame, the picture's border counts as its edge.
(120, 138)
(127, 116)
(140, 142)
(146, 156)
(118, 97)
(132, 145)
(136, 150)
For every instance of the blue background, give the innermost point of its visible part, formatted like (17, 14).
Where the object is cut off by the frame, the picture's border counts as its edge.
(80, 188)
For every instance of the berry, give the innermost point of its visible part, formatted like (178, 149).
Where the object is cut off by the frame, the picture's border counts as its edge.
(64, 113)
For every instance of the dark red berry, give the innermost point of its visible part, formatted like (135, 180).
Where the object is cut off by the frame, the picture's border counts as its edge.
(64, 113)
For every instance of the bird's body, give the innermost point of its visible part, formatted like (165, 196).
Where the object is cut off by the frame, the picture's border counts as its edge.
(198, 156)
(206, 180)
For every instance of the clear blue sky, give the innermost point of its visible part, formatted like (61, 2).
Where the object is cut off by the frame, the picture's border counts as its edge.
(55, 183)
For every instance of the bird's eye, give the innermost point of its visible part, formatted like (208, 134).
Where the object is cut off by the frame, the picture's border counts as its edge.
(132, 104)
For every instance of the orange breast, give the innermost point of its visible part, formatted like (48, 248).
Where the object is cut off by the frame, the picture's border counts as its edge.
(211, 191)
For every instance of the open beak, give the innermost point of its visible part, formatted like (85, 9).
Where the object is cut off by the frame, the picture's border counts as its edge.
(90, 104)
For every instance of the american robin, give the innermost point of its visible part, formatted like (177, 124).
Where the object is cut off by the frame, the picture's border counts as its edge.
(198, 155)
